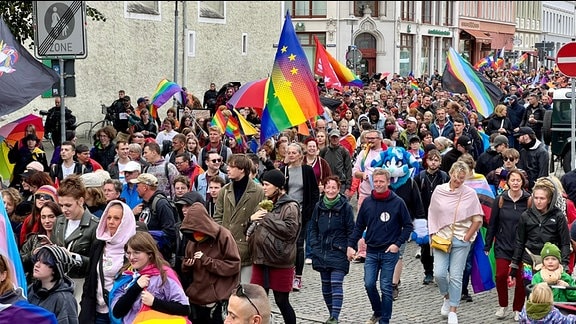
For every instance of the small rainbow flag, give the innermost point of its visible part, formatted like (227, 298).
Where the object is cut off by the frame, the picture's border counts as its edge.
(219, 120)
(233, 129)
(414, 84)
(164, 91)
(147, 315)
(460, 77)
(291, 93)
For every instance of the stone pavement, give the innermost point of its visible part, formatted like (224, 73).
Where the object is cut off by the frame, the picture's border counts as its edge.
(417, 303)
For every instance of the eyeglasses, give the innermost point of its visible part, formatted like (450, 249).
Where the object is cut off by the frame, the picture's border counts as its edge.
(43, 196)
(509, 159)
(216, 160)
(240, 292)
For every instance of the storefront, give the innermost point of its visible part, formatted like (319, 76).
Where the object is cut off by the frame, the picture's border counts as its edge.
(479, 38)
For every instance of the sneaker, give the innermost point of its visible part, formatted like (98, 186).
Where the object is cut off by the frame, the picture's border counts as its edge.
(466, 298)
(501, 312)
(417, 256)
(395, 292)
(428, 279)
(297, 284)
(445, 310)
(374, 319)
(331, 320)
(308, 261)
(452, 318)
(516, 316)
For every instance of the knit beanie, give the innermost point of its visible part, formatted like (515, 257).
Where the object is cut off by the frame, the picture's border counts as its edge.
(550, 249)
(48, 190)
(274, 177)
(56, 257)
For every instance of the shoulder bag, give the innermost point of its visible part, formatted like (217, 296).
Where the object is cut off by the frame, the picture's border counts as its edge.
(443, 244)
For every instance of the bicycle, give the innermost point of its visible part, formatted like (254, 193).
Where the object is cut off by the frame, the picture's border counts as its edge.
(101, 123)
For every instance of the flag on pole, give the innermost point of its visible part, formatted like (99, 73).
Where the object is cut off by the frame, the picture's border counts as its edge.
(164, 91)
(291, 94)
(344, 75)
(22, 77)
(323, 67)
(460, 77)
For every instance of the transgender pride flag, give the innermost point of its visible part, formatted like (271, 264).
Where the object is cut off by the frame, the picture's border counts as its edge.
(9, 249)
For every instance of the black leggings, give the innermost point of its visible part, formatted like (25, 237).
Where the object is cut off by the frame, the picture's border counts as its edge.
(300, 248)
(283, 303)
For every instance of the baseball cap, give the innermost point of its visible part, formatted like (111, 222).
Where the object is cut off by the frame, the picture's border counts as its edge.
(347, 94)
(413, 138)
(524, 131)
(465, 141)
(499, 140)
(190, 198)
(513, 97)
(132, 166)
(335, 132)
(146, 178)
(412, 119)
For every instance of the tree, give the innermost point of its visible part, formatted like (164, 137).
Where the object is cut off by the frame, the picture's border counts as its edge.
(18, 16)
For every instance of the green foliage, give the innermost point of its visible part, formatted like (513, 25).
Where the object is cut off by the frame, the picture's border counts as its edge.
(18, 16)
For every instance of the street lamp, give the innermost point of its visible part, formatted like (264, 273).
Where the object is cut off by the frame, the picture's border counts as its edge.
(352, 20)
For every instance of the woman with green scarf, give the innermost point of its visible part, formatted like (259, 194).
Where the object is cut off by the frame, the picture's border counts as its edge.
(331, 225)
(539, 308)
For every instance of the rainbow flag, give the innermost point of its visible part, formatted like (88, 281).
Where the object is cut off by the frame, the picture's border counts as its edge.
(9, 249)
(219, 120)
(323, 67)
(460, 77)
(344, 75)
(291, 93)
(147, 315)
(233, 129)
(245, 126)
(414, 84)
(164, 92)
(482, 63)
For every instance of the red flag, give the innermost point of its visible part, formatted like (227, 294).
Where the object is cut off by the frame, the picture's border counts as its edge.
(323, 67)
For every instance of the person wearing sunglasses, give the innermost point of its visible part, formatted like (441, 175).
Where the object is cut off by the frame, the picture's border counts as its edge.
(200, 184)
(497, 178)
(248, 304)
(32, 222)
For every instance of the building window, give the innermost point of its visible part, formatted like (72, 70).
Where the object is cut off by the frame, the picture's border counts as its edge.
(191, 43)
(359, 7)
(146, 10)
(425, 56)
(407, 10)
(406, 53)
(244, 44)
(426, 12)
(306, 9)
(308, 45)
(212, 11)
(448, 13)
(446, 44)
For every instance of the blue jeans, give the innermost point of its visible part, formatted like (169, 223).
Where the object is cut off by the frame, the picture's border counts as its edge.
(102, 319)
(453, 263)
(383, 263)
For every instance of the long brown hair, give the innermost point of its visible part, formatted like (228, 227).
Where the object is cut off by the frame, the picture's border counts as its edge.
(144, 242)
(7, 284)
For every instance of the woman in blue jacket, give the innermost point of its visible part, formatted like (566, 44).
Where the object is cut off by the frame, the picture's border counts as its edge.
(331, 226)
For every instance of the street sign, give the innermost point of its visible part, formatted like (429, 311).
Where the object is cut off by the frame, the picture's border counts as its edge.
(354, 54)
(566, 59)
(60, 29)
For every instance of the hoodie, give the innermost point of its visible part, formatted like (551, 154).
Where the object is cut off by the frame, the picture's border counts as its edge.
(217, 272)
(112, 257)
(58, 300)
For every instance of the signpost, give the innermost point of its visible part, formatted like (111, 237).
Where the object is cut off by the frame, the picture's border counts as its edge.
(60, 32)
(566, 63)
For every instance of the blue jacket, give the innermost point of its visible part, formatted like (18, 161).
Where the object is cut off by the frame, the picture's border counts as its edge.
(330, 230)
(130, 195)
(388, 222)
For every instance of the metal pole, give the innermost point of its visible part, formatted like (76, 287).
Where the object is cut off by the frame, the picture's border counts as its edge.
(352, 47)
(573, 141)
(176, 43)
(62, 103)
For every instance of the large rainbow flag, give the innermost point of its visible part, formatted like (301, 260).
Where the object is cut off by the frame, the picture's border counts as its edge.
(291, 94)
(460, 77)
(329, 67)
(9, 249)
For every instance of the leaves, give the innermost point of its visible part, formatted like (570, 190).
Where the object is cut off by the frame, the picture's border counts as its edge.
(18, 16)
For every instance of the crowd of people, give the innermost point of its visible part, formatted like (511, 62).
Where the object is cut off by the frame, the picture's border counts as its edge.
(175, 217)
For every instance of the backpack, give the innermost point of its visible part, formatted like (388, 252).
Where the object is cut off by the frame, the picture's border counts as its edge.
(166, 173)
(174, 246)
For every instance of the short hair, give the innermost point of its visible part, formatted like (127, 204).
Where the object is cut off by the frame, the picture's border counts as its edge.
(212, 151)
(541, 294)
(381, 171)
(434, 153)
(135, 148)
(180, 137)
(185, 156)
(468, 159)
(217, 179)
(332, 178)
(117, 184)
(153, 146)
(214, 129)
(182, 178)
(171, 120)
(518, 172)
(458, 119)
(121, 141)
(97, 195)
(242, 162)
(258, 296)
(13, 194)
(511, 153)
(70, 143)
(72, 186)
(454, 105)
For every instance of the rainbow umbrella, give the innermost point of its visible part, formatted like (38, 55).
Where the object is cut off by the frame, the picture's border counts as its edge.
(6, 167)
(16, 130)
(249, 95)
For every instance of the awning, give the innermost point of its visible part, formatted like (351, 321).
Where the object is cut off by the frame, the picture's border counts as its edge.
(533, 53)
(479, 35)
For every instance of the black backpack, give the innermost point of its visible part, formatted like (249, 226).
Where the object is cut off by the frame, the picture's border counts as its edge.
(174, 246)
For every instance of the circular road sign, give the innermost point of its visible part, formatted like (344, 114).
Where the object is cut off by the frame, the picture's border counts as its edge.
(566, 59)
(354, 55)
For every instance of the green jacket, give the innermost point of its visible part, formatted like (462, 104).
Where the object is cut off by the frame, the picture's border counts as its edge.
(560, 295)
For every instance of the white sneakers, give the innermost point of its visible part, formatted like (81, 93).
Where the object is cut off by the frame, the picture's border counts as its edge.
(452, 318)
(445, 310)
(516, 316)
(501, 312)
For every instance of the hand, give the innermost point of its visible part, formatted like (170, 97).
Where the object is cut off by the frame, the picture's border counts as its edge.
(562, 283)
(198, 255)
(143, 281)
(498, 171)
(365, 176)
(258, 215)
(137, 210)
(350, 253)
(147, 298)
(393, 248)
(188, 262)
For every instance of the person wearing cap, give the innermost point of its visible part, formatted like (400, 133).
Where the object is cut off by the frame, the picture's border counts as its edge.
(273, 268)
(491, 159)
(410, 131)
(463, 145)
(24, 155)
(52, 289)
(116, 226)
(83, 158)
(211, 257)
(156, 212)
(141, 106)
(534, 157)
(461, 128)
(129, 189)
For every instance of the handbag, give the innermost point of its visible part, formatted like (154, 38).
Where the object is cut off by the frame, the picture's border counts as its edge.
(445, 244)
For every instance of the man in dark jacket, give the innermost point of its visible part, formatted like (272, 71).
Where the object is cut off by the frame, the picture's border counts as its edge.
(534, 115)
(53, 127)
(534, 158)
(388, 225)
(339, 160)
(491, 159)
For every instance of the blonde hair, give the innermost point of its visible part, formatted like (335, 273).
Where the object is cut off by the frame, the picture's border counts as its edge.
(499, 110)
(541, 294)
(459, 166)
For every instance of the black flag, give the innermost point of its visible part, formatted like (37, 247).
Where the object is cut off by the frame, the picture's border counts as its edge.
(22, 77)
